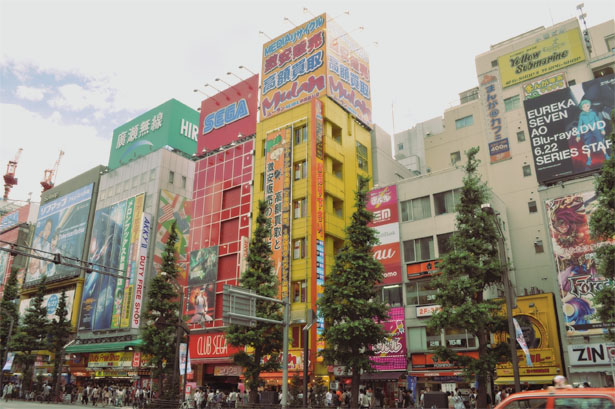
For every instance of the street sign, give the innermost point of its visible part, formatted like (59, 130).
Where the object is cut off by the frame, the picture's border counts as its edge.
(238, 306)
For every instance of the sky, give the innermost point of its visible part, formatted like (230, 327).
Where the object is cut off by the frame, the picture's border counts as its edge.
(72, 71)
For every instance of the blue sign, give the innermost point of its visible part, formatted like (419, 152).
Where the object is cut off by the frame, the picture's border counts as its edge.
(228, 114)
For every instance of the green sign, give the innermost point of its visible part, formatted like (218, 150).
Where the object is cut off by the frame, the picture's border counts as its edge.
(172, 123)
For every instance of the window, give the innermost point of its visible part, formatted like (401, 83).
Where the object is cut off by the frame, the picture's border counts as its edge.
(532, 206)
(299, 208)
(463, 122)
(391, 295)
(444, 244)
(538, 246)
(446, 202)
(297, 336)
(184, 182)
(400, 146)
(301, 170)
(494, 63)
(299, 249)
(262, 181)
(572, 82)
(299, 291)
(336, 133)
(530, 403)
(418, 249)
(433, 337)
(171, 176)
(415, 209)
(336, 168)
(603, 72)
(512, 103)
(362, 156)
(338, 207)
(520, 136)
(459, 339)
(300, 134)
(582, 402)
(420, 293)
(455, 157)
(610, 43)
(527, 171)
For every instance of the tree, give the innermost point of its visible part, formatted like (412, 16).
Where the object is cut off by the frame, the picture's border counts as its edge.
(31, 334)
(602, 228)
(471, 267)
(162, 318)
(264, 339)
(9, 316)
(350, 304)
(59, 334)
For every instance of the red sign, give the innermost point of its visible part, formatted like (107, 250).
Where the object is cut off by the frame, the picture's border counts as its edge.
(136, 360)
(229, 115)
(419, 270)
(382, 203)
(427, 360)
(210, 345)
(391, 275)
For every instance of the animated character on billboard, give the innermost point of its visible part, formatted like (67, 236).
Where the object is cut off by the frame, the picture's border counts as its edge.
(204, 265)
(42, 242)
(199, 300)
(591, 129)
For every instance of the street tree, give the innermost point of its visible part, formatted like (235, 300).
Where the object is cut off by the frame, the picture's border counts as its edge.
(264, 340)
(602, 229)
(9, 316)
(31, 335)
(350, 304)
(471, 267)
(162, 319)
(59, 334)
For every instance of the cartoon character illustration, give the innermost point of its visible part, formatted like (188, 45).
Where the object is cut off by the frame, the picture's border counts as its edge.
(568, 218)
(591, 129)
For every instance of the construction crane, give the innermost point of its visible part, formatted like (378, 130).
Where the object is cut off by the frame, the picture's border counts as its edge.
(50, 174)
(9, 177)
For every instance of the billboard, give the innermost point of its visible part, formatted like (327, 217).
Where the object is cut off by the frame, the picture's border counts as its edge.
(348, 73)
(390, 355)
(544, 85)
(178, 209)
(382, 202)
(203, 273)
(114, 243)
(568, 129)
(294, 68)
(172, 123)
(227, 116)
(50, 302)
(575, 261)
(60, 229)
(541, 58)
(493, 104)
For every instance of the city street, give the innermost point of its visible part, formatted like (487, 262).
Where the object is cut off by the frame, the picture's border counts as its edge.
(21, 404)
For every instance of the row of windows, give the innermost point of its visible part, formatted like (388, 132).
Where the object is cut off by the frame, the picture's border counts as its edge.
(422, 249)
(420, 208)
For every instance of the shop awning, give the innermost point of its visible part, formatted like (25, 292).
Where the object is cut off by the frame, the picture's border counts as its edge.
(103, 347)
(382, 376)
(532, 380)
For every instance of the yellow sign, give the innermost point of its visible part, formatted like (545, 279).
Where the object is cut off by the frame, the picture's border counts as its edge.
(110, 360)
(541, 58)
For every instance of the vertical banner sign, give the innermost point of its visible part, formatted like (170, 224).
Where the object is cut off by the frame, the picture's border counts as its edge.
(575, 261)
(8, 365)
(382, 202)
(317, 204)
(139, 299)
(183, 350)
(276, 150)
(390, 355)
(294, 68)
(568, 129)
(123, 266)
(491, 95)
(129, 287)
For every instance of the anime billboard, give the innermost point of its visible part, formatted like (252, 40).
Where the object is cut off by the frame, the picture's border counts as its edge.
(569, 128)
(390, 355)
(60, 229)
(575, 261)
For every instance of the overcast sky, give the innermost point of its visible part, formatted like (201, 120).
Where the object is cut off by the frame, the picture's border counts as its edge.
(72, 71)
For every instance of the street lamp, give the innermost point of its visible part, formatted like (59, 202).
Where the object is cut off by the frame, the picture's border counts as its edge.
(486, 207)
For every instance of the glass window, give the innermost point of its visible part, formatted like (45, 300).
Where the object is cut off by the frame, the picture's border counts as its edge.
(444, 244)
(362, 156)
(520, 136)
(433, 337)
(184, 182)
(338, 207)
(299, 291)
(465, 121)
(301, 170)
(532, 207)
(415, 209)
(299, 207)
(300, 134)
(336, 168)
(445, 202)
(400, 146)
(572, 82)
(391, 295)
(171, 176)
(494, 63)
(336, 133)
(459, 339)
(420, 292)
(529, 403)
(455, 157)
(299, 249)
(297, 336)
(418, 249)
(583, 402)
(527, 171)
(512, 103)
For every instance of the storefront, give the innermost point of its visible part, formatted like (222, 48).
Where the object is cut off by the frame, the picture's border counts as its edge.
(592, 363)
(212, 361)
(428, 372)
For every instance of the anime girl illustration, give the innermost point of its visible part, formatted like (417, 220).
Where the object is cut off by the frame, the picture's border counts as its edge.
(592, 129)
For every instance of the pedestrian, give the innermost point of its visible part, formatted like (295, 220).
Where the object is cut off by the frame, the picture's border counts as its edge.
(559, 382)
(459, 400)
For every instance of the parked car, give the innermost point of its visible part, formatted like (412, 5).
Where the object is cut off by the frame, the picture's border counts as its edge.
(568, 398)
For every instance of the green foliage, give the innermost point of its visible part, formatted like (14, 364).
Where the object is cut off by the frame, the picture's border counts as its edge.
(31, 334)
(8, 313)
(472, 267)
(59, 334)
(162, 317)
(350, 304)
(264, 339)
(294, 389)
(602, 228)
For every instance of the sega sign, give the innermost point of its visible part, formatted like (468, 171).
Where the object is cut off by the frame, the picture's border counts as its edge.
(229, 115)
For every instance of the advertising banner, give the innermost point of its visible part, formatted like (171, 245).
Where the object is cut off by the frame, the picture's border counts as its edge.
(494, 107)
(348, 73)
(203, 266)
(229, 115)
(183, 365)
(111, 360)
(60, 229)
(8, 365)
(545, 85)
(129, 287)
(294, 68)
(202, 276)
(211, 345)
(421, 270)
(591, 354)
(9, 220)
(277, 196)
(391, 354)
(382, 202)
(541, 58)
(178, 209)
(139, 299)
(50, 302)
(568, 129)
(575, 261)
(5, 257)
